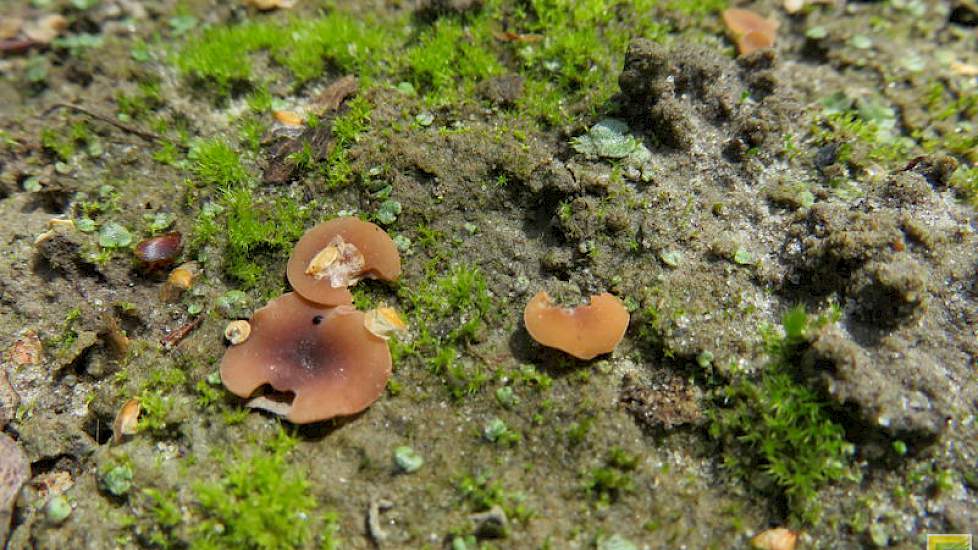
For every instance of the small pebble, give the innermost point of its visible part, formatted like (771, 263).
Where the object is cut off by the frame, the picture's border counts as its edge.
(407, 459)
(57, 509)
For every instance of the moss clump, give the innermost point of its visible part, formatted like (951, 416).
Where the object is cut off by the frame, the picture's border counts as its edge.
(574, 65)
(450, 311)
(158, 400)
(607, 483)
(221, 55)
(258, 234)
(965, 181)
(451, 57)
(216, 163)
(482, 492)
(346, 129)
(775, 426)
(261, 501)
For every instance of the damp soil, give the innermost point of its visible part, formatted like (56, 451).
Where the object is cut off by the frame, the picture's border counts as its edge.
(729, 196)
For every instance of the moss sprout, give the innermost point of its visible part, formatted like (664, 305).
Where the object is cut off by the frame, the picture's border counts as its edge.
(776, 425)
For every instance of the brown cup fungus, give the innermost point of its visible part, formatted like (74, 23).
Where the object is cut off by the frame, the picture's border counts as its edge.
(584, 331)
(324, 356)
(751, 30)
(336, 254)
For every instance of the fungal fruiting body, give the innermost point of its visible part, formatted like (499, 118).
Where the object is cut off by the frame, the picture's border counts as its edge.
(324, 356)
(750, 30)
(584, 331)
(336, 254)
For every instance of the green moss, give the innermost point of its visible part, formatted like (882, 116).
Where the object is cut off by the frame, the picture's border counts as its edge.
(695, 7)
(158, 400)
(216, 163)
(607, 483)
(346, 129)
(63, 145)
(148, 98)
(775, 427)
(482, 492)
(450, 58)
(574, 66)
(165, 511)
(260, 501)
(258, 234)
(450, 311)
(222, 55)
(965, 181)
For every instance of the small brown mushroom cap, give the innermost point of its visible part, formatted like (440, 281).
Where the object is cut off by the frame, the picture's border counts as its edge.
(380, 259)
(324, 356)
(584, 331)
(751, 30)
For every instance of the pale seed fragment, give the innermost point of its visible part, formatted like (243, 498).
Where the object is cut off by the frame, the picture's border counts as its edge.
(266, 5)
(384, 321)
(340, 261)
(9, 27)
(288, 118)
(45, 29)
(178, 281)
(126, 420)
(778, 538)
(964, 69)
(237, 332)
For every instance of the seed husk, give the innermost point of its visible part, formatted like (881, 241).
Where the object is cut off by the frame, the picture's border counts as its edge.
(237, 332)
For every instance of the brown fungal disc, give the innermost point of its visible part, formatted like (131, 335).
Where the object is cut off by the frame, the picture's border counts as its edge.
(161, 251)
(336, 254)
(324, 356)
(751, 30)
(584, 331)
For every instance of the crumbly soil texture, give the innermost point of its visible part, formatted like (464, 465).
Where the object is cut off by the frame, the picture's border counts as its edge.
(792, 230)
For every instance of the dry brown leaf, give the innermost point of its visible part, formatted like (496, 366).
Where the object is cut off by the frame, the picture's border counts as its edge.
(52, 483)
(9, 400)
(15, 470)
(46, 28)
(114, 335)
(27, 350)
(10, 27)
(510, 36)
(332, 97)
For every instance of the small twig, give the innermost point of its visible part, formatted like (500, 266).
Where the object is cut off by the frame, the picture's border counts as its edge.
(17, 45)
(148, 136)
(376, 532)
(171, 340)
